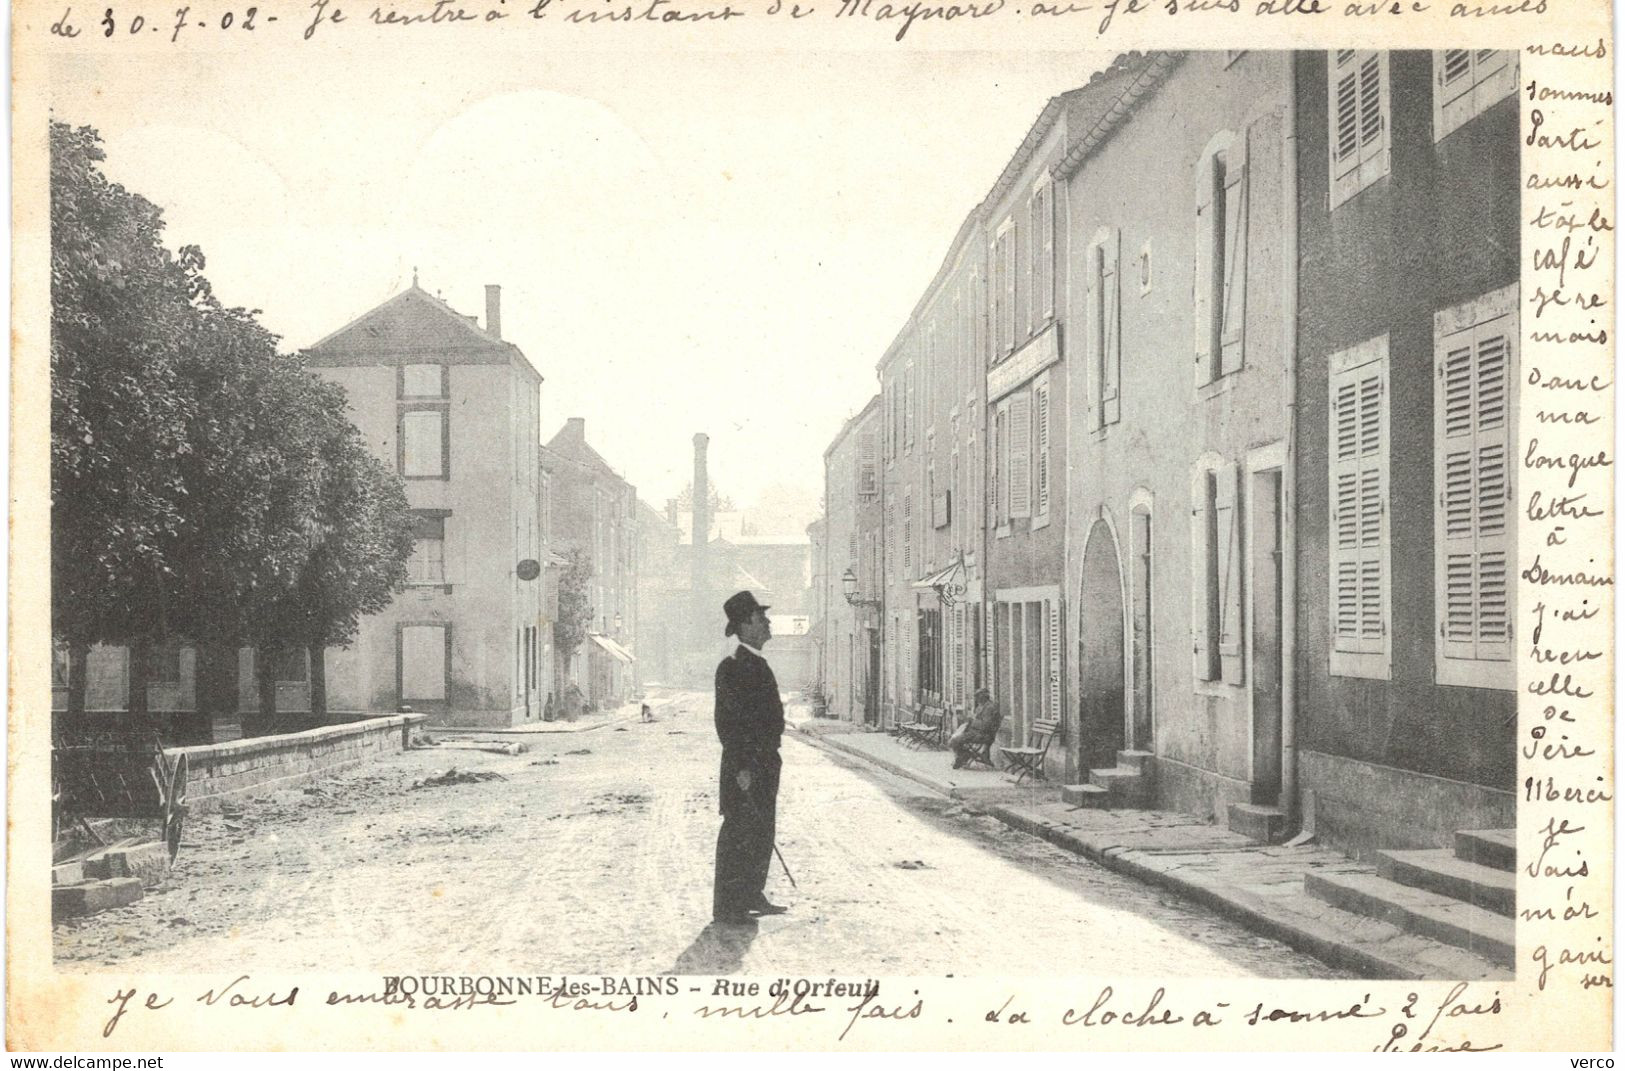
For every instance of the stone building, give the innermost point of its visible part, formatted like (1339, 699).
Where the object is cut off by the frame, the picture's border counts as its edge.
(849, 577)
(594, 512)
(454, 408)
(1407, 337)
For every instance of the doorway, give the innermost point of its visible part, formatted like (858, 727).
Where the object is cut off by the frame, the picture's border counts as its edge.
(1100, 652)
(1264, 539)
(1141, 723)
(871, 681)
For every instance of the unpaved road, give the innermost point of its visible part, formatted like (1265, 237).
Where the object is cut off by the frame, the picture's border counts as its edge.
(594, 856)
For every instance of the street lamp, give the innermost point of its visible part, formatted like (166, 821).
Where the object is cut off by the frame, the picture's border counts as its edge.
(849, 588)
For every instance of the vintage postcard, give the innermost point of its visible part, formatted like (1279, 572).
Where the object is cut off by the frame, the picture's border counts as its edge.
(816, 524)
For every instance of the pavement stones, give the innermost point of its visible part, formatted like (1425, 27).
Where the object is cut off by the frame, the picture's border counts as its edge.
(1260, 886)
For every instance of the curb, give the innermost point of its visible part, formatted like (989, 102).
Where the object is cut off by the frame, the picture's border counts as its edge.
(904, 772)
(1319, 941)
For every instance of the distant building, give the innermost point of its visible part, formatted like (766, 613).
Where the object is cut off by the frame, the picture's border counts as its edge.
(454, 409)
(849, 580)
(594, 512)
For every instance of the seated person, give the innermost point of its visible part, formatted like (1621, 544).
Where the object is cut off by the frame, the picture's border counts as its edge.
(979, 731)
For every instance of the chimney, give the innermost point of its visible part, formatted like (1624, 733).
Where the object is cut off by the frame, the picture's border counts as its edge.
(576, 428)
(493, 310)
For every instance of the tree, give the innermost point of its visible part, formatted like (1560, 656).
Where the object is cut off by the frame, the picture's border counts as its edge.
(357, 551)
(120, 304)
(719, 503)
(575, 608)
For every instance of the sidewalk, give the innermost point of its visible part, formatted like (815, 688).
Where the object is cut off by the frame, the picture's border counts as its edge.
(1258, 885)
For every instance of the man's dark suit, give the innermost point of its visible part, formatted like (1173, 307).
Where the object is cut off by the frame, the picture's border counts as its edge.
(750, 720)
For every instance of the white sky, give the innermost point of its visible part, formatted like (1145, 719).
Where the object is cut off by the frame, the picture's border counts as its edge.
(710, 242)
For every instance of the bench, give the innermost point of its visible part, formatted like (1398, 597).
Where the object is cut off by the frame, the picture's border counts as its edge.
(927, 728)
(1029, 761)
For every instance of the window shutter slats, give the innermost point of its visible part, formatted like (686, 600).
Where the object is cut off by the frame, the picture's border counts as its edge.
(1357, 95)
(1041, 404)
(1359, 505)
(868, 477)
(1234, 311)
(1093, 330)
(1054, 607)
(1473, 470)
(1020, 432)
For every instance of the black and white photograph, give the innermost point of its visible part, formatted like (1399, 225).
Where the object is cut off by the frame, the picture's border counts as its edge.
(710, 535)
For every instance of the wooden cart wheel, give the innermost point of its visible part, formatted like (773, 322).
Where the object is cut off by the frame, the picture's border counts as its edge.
(175, 806)
(56, 802)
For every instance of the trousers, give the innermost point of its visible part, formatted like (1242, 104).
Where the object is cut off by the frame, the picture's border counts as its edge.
(744, 855)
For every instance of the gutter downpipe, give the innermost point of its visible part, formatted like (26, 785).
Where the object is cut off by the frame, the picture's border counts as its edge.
(1289, 527)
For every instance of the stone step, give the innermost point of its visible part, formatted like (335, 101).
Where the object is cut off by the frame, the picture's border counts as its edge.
(148, 862)
(1137, 760)
(1126, 785)
(1438, 870)
(1092, 796)
(69, 873)
(1429, 914)
(1267, 825)
(89, 897)
(1488, 847)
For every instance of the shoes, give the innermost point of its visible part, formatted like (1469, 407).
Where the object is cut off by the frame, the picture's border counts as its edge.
(958, 762)
(763, 907)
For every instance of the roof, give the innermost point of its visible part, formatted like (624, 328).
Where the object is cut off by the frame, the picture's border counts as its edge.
(1146, 78)
(454, 331)
(570, 443)
(850, 424)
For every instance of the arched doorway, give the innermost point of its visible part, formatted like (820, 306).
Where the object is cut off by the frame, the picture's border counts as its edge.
(1100, 652)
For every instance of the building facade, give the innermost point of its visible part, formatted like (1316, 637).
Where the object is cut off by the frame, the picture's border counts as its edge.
(851, 617)
(1407, 334)
(454, 409)
(594, 513)
(1179, 385)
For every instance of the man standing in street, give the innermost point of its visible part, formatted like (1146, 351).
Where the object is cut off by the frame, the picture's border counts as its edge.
(750, 720)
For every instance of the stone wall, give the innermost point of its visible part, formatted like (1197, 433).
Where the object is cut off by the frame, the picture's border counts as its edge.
(216, 772)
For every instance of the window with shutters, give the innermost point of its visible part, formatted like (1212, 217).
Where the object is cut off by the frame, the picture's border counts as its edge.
(868, 476)
(427, 565)
(908, 533)
(1358, 493)
(1466, 81)
(852, 552)
(908, 407)
(998, 465)
(1004, 291)
(1475, 356)
(1020, 435)
(1041, 211)
(1042, 469)
(424, 450)
(1220, 290)
(1102, 324)
(1358, 106)
(1217, 647)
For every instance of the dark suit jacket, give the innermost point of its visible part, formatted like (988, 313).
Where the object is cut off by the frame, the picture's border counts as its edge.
(750, 720)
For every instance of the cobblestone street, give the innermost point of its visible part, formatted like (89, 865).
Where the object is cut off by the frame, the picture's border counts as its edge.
(593, 854)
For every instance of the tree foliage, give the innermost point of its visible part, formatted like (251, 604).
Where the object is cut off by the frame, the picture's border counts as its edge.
(203, 484)
(575, 605)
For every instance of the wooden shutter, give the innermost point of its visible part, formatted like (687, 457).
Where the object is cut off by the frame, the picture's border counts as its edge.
(1094, 331)
(1473, 474)
(868, 477)
(1358, 100)
(995, 459)
(1054, 608)
(1227, 526)
(1233, 305)
(908, 533)
(1044, 270)
(1020, 433)
(1041, 417)
(1202, 643)
(852, 551)
(1111, 285)
(1358, 438)
(1202, 296)
(1466, 81)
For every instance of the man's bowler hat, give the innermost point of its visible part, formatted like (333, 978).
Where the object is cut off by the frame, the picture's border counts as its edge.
(739, 608)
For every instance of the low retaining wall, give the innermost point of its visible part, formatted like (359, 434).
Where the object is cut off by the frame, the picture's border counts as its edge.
(217, 772)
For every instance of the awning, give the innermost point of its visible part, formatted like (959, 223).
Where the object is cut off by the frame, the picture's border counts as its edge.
(950, 579)
(613, 649)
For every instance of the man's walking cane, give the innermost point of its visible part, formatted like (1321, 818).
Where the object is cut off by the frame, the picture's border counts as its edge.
(786, 866)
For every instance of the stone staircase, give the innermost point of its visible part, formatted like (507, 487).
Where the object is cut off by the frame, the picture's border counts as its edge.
(1131, 783)
(1463, 897)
